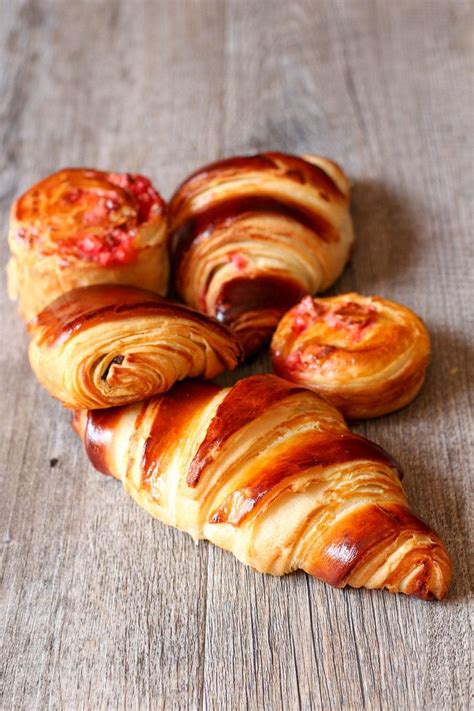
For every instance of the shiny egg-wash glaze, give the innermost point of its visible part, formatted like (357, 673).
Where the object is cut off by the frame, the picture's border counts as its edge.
(109, 345)
(270, 471)
(366, 354)
(82, 226)
(251, 235)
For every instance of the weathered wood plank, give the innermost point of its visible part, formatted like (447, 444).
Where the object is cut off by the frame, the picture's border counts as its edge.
(104, 607)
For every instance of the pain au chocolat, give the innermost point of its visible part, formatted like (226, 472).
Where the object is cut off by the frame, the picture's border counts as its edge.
(81, 226)
(251, 235)
(270, 471)
(100, 346)
(366, 354)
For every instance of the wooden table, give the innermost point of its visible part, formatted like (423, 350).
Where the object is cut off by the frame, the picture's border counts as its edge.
(104, 607)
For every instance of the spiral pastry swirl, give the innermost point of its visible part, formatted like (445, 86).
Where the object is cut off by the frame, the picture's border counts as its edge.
(101, 346)
(366, 354)
(251, 235)
(82, 226)
(270, 471)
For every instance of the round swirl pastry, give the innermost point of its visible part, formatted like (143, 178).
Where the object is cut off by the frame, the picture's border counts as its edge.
(79, 227)
(106, 345)
(251, 235)
(366, 354)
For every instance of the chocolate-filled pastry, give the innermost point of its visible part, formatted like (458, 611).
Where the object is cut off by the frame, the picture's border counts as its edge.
(270, 471)
(366, 354)
(81, 226)
(251, 235)
(99, 346)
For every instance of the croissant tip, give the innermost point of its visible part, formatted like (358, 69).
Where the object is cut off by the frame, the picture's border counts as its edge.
(429, 578)
(431, 583)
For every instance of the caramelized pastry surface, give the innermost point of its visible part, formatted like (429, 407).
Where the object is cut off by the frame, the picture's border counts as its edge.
(270, 471)
(367, 355)
(108, 345)
(250, 235)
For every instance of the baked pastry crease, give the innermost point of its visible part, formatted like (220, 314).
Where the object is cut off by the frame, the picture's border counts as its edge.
(366, 354)
(101, 346)
(270, 471)
(251, 235)
(81, 226)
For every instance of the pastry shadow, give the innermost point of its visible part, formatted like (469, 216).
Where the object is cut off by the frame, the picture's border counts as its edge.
(260, 363)
(452, 355)
(386, 227)
(447, 393)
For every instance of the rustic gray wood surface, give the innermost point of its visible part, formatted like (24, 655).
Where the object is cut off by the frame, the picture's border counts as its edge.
(104, 608)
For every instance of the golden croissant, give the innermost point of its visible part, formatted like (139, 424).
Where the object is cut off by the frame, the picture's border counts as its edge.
(366, 354)
(81, 226)
(101, 346)
(270, 471)
(249, 236)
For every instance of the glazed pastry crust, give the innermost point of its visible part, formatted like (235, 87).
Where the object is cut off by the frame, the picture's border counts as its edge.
(81, 226)
(101, 346)
(270, 471)
(366, 354)
(250, 235)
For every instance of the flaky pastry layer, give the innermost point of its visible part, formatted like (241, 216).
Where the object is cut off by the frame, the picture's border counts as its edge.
(366, 354)
(250, 235)
(102, 346)
(270, 471)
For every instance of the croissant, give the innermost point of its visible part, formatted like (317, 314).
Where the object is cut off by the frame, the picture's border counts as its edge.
(249, 236)
(366, 354)
(106, 345)
(270, 471)
(81, 226)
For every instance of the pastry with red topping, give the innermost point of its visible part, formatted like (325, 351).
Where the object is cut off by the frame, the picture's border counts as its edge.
(81, 226)
(251, 235)
(366, 354)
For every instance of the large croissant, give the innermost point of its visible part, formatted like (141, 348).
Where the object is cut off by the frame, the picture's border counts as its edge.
(251, 235)
(106, 345)
(270, 471)
(82, 226)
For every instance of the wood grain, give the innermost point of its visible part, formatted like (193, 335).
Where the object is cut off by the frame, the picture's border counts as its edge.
(104, 608)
